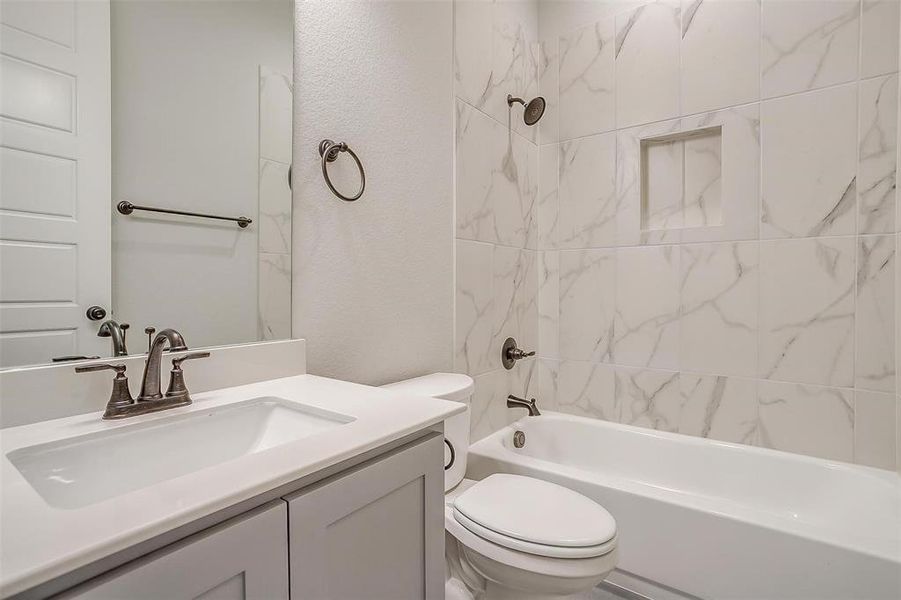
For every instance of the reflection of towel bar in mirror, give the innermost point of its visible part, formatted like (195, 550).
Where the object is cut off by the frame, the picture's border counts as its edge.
(126, 208)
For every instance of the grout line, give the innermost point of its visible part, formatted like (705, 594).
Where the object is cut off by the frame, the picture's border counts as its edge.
(507, 129)
(846, 236)
(729, 107)
(760, 144)
(854, 345)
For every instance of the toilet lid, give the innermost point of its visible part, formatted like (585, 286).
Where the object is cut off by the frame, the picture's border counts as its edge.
(535, 511)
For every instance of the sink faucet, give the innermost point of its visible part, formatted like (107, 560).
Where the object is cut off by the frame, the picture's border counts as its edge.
(514, 402)
(114, 330)
(150, 384)
(122, 405)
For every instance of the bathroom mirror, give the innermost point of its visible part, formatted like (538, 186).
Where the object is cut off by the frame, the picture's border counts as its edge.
(182, 105)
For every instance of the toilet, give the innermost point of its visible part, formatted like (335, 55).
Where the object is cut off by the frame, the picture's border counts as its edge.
(509, 536)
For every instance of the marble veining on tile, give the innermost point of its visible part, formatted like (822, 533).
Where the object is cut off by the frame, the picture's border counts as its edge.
(754, 297)
(663, 175)
(879, 37)
(807, 311)
(527, 89)
(548, 210)
(587, 389)
(875, 322)
(586, 81)
(720, 54)
(493, 55)
(877, 155)
(274, 296)
(739, 177)
(875, 427)
(497, 181)
(587, 196)
(549, 89)
(275, 207)
(276, 94)
(719, 408)
(586, 308)
(489, 410)
(807, 44)
(646, 326)
(474, 305)
(647, 63)
(702, 204)
(809, 183)
(515, 298)
(549, 304)
(813, 420)
(630, 229)
(719, 308)
(649, 398)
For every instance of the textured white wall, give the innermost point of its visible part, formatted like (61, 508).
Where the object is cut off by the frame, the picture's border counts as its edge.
(373, 279)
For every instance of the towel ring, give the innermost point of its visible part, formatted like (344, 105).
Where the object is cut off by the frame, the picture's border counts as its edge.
(329, 150)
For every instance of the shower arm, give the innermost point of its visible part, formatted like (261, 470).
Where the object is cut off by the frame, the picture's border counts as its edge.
(511, 99)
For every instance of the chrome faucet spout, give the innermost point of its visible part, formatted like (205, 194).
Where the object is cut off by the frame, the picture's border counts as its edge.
(150, 384)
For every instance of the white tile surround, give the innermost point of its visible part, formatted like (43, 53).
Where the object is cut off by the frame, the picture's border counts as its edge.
(776, 325)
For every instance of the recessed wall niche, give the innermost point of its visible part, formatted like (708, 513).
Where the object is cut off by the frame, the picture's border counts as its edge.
(681, 180)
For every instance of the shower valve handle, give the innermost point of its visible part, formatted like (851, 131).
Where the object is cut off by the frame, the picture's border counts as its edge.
(510, 353)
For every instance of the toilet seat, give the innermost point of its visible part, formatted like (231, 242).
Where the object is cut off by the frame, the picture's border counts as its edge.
(530, 563)
(531, 547)
(512, 511)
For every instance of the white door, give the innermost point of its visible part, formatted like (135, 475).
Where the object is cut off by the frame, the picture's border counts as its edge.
(54, 177)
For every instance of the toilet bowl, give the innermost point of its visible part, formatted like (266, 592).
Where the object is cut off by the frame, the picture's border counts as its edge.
(509, 536)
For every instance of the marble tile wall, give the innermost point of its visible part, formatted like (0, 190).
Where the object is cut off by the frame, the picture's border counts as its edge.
(274, 218)
(771, 323)
(497, 203)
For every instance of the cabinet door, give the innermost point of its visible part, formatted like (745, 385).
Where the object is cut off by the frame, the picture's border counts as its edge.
(375, 532)
(245, 557)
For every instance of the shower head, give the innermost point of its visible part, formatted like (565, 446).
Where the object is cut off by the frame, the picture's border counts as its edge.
(533, 110)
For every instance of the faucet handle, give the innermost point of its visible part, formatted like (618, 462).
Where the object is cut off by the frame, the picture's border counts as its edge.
(510, 353)
(119, 369)
(177, 388)
(176, 362)
(120, 396)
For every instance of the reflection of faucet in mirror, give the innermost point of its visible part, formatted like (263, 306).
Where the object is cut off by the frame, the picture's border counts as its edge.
(114, 330)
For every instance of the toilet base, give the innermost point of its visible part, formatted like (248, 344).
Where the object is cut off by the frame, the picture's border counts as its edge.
(470, 575)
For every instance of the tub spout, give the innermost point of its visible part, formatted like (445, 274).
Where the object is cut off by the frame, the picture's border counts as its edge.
(514, 402)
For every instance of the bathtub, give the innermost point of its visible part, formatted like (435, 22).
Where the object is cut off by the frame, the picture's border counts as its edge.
(696, 517)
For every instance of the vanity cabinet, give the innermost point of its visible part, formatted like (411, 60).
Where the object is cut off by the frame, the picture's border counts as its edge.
(374, 531)
(245, 557)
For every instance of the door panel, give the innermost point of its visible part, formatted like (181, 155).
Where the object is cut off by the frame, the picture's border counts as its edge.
(55, 190)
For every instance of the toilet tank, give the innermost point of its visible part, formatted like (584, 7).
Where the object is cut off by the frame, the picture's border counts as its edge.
(447, 386)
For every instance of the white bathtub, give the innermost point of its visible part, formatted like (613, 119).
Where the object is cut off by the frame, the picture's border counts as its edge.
(718, 520)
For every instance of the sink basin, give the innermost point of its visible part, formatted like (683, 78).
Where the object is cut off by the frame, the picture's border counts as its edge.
(79, 471)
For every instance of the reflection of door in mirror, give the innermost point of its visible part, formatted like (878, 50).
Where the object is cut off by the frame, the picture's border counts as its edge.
(182, 105)
(55, 163)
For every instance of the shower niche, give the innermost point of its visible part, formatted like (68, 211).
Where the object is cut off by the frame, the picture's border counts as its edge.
(681, 180)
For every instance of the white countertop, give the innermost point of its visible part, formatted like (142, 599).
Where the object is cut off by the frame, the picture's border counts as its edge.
(39, 542)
